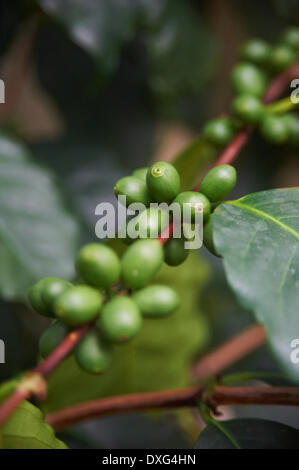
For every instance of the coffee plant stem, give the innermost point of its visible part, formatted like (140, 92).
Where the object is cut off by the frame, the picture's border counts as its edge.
(184, 397)
(230, 352)
(31, 384)
(276, 87)
(282, 106)
(280, 83)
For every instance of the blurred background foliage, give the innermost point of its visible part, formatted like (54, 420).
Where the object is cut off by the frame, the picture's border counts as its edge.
(95, 89)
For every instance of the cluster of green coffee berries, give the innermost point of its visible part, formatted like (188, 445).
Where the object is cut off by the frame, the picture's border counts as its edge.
(115, 316)
(161, 183)
(259, 62)
(114, 295)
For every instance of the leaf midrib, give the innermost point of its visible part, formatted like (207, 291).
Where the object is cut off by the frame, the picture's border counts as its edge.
(265, 216)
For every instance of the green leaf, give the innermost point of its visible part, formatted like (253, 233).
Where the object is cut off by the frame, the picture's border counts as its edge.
(158, 358)
(192, 161)
(181, 51)
(26, 429)
(102, 27)
(38, 237)
(248, 434)
(258, 237)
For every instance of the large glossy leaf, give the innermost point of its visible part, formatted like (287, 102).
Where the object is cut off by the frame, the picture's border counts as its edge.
(158, 358)
(258, 237)
(180, 50)
(38, 236)
(102, 27)
(248, 434)
(26, 429)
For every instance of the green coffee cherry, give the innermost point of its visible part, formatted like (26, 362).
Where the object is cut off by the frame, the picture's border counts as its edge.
(274, 129)
(52, 337)
(52, 288)
(291, 38)
(98, 265)
(248, 79)
(140, 173)
(174, 252)
(157, 301)
(219, 182)
(93, 354)
(120, 319)
(194, 200)
(219, 131)
(281, 58)
(149, 223)
(134, 189)
(292, 123)
(78, 305)
(208, 236)
(256, 51)
(248, 108)
(141, 262)
(36, 301)
(163, 181)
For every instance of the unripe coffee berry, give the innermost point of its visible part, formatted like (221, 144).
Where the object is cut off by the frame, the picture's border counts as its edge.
(120, 319)
(219, 131)
(208, 236)
(248, 108)
(248, 79)
(163, 181)
(140, 173)
(157, 301)
(52, 288)
(175, 252)
(149, 223)
(141, 262)
(274, 129)
(256, 51)
(93, 354)
(219, 182)
(135, 190)
(36, 301)
(52, 337)
(78, 305)
(197, 202)
(281, 58)
(98, 265)
(291, 38)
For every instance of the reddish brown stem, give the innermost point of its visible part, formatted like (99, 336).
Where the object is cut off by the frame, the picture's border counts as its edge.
(230, 352)
(173, 399)
(46, 367)
(33, 383)
(280, 83)
(165, 234)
